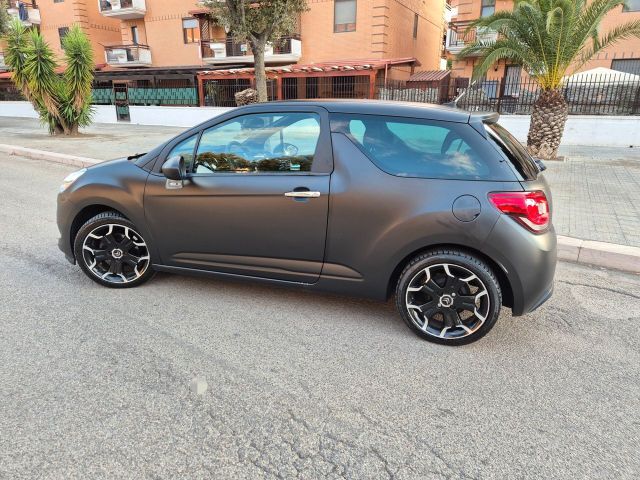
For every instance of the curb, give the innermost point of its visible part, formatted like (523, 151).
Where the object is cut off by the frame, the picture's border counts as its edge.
(602, 254)
(48, 156)
(576, 250)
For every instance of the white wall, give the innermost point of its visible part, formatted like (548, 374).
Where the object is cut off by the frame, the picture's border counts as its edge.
(585, 130)
(168, 116)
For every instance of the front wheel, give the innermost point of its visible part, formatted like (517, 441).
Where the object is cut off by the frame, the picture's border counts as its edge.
(111, 252)
(449, 297)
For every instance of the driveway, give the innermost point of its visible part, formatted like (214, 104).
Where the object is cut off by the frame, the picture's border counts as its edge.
(94, 383)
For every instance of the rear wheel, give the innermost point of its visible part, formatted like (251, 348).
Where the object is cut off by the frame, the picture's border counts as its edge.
(449, 297)
(111, 252)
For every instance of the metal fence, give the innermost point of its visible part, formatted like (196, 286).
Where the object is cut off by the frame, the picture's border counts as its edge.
(614, 94)
(221, 93)
(610, 94)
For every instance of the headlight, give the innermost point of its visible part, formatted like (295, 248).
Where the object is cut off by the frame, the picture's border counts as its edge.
(72, 177)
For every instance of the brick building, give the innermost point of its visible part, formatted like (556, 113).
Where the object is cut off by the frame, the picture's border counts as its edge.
(152, 34)
(623, 56)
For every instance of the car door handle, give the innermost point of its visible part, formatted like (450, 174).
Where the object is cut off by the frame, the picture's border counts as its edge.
(302, 194)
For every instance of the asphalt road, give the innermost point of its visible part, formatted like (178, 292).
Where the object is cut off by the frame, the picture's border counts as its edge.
(95, 382)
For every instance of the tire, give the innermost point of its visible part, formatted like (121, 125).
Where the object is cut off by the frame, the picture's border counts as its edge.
(444, 286)
(111, 252)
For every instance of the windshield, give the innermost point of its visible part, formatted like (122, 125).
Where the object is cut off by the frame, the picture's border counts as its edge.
(514, 150)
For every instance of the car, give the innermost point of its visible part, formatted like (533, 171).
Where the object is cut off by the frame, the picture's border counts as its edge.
(438, 206)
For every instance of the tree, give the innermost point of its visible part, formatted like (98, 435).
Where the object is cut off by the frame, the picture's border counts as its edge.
(258, 23)
(5, 18)
(550, 39)
(63, 102)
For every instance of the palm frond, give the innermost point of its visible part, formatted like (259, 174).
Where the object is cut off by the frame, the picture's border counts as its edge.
(548, 37)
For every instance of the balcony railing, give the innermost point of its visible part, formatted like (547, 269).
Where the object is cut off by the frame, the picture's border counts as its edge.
(459, 35)
(26, 11)
(288, 49)
(128, 55)
(123, 9)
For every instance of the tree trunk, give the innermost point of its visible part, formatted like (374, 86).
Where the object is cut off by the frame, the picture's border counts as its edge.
(547, 124)
(261, 74)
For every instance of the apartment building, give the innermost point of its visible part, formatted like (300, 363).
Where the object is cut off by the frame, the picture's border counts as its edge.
(623, 56)
(139, 34)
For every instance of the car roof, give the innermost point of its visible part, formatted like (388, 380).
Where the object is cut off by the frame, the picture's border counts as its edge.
(381, 107)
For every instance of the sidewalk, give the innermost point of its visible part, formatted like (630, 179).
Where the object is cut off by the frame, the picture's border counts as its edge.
(596, 191)
(102, 141)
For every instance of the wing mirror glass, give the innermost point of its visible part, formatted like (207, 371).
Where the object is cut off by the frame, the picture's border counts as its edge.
(174, 168)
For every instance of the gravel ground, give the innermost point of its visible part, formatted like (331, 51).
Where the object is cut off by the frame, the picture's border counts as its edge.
(94, 383)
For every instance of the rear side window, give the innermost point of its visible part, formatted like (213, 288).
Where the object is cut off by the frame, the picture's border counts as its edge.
(408, 147)
(514, 151)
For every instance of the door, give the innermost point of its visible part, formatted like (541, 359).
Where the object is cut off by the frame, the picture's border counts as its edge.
(255, 201)
(121, 100)
(512, 80)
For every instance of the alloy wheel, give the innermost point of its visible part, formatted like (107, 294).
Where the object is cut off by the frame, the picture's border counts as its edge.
(115, 253)
(447, 301)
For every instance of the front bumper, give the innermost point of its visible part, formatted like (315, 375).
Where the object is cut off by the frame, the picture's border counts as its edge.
(64, 218)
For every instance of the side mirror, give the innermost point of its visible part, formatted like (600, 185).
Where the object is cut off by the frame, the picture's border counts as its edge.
(174, 169)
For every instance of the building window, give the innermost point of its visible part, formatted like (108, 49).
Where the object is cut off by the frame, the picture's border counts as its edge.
(344, 16)
(488, 8)
(631, 6)
(190, 30)
(134, 35)
(58, 1)
(627, 65)
(62, 32)
(415, 26)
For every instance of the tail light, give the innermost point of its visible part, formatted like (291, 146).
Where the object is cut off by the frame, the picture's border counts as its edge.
(531, 209)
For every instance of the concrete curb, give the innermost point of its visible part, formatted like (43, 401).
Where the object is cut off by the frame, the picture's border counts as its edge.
(602, 254)
(48, 156)
(609, 255)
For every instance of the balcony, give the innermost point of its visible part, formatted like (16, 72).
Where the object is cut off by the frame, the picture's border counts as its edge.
(28, 12)
(128, 56)
(123, 9)
(288, 50)
(459, 37)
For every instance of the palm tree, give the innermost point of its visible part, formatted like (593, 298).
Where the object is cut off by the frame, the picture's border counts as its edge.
(550, 39)
(63, 102)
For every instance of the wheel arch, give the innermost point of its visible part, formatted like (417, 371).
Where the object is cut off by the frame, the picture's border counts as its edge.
(503, 280)
(86, 213)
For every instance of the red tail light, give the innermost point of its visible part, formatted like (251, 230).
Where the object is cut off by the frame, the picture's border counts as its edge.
(531, 209)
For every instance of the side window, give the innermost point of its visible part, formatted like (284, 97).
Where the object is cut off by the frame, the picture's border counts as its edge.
(185, 148)
(409, 147)
(260, 143)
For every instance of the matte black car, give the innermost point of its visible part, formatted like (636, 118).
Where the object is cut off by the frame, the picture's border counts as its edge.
(442, 208)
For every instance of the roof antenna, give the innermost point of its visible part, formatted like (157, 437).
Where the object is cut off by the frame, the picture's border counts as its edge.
(454, 103)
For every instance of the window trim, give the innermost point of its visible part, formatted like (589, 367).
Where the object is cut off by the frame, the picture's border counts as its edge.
(487, 4)
(184, 31)
(244, 174)
(62, 37)
(323, 158)
(500, 169)
(347, 29)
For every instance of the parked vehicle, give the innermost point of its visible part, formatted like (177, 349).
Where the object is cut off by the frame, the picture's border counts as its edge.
(442, 208)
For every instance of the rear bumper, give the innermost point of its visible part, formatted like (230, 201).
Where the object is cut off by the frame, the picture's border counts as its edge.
(528, 261)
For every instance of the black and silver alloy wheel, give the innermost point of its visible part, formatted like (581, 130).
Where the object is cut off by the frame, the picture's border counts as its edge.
(447, 301)
(115, 253)
(449, 297)
(112, 252)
